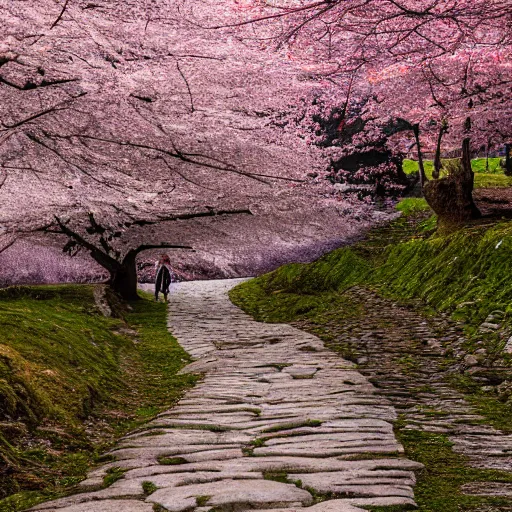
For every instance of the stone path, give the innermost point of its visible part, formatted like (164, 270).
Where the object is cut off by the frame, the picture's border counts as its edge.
(401, 352)
(277, 423)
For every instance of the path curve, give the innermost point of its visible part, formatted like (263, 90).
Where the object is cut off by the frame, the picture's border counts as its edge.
(277, 423)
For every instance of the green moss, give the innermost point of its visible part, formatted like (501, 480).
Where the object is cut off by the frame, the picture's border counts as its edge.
(58, 356)
(439, 484)
(23, 500)
(201, 501)
(466, 271)
(412, 205)
(171, 461)
(148, 487)
(292, 425)
(61, 361)
(497, 413)
(276, 476)
(113, 475)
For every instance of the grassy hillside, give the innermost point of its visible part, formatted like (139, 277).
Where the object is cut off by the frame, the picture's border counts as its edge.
(71, 381)
(466, 272)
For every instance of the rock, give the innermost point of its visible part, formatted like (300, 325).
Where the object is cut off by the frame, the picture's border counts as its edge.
(488, 327)
(101, 301)
(487, 489)
(508, 346)
(228, 494)
(504, 390)
(347, 187)
(470, 361)
(495, 316)
(105, 506)
(324, 506)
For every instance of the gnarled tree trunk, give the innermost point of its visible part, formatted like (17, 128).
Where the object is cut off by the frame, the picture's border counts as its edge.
(123, 276)
(437, 159)
(123, 280)
(423, 176)
(451, 197)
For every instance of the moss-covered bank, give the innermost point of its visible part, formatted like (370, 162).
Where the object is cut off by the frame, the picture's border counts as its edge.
(466, 273)
(72, 381)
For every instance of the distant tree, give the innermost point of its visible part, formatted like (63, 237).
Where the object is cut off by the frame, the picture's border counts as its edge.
(103, 241)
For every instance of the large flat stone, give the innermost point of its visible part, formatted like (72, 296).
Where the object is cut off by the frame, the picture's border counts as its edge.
(233, 494)
(104, 506)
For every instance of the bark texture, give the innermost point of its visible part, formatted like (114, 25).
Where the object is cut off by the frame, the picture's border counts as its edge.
(451, 197)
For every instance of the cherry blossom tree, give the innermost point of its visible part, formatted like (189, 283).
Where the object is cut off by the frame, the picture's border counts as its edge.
(441, 65)
(130, 112)
(105, 244)
(120, 108)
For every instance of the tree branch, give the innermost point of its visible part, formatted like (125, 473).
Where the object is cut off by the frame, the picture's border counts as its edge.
(147, 247)
(54, 24)
(210, 213)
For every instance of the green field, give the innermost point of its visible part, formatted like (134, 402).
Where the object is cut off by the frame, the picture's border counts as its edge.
(493, 178)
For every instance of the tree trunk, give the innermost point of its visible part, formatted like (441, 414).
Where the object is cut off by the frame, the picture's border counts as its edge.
(123, 280)
(423, 176)
(508, 159)
(451, 198)
(437, 159)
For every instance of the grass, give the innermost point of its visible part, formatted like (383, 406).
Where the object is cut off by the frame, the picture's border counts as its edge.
(148, 488)
(439, 484)
(488, 405)
(201, 501)
(493, 178)
(114, 474)
(62, 362)
(171, 461)
(464, 273)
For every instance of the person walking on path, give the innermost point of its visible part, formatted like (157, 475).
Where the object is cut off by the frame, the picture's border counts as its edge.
(164, 276)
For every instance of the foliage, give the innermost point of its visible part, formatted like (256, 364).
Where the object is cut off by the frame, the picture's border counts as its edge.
(465, 272)
(424, 62)
(59, 355)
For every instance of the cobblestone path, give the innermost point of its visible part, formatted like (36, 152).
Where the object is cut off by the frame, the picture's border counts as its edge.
(401, 352)
(278, 423)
